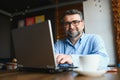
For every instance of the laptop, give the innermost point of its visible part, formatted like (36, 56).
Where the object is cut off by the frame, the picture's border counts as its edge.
(34, 47)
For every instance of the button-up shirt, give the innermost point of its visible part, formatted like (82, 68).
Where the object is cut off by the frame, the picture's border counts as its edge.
(87, 44)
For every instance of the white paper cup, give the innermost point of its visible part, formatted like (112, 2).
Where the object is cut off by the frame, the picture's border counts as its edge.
(89, 62)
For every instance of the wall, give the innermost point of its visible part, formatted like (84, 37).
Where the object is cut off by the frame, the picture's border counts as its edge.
(98, 19)
(48, 13)
(5, 42)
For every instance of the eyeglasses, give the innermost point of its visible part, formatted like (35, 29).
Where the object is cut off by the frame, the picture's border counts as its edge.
(74, 23)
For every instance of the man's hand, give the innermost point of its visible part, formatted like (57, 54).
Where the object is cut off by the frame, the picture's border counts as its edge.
(62, 58)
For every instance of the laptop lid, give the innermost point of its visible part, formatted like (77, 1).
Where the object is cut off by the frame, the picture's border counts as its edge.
(34, 46)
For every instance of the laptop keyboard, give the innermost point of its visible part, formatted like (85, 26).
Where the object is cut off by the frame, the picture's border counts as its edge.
(65, 65)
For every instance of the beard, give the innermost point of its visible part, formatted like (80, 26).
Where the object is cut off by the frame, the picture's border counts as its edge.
(73, 34)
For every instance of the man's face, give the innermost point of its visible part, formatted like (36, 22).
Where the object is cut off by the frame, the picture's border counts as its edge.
(73, 25)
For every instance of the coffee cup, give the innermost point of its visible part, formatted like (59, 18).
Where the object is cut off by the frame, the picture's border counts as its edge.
(89, 62)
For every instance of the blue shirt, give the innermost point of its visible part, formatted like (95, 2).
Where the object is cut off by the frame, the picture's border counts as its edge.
(87, 44)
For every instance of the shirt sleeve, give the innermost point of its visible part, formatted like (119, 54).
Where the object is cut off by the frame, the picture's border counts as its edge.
(76, 61)
(99, 48)
(57, 47)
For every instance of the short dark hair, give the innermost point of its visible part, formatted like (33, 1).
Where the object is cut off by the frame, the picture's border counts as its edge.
(70, 12)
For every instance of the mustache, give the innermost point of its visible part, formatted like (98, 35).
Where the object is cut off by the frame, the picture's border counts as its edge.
(71, 35)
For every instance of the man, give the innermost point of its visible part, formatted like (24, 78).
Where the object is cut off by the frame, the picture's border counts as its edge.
(78, 43)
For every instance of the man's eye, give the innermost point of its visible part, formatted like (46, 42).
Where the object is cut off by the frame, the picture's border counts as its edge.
(75, 22)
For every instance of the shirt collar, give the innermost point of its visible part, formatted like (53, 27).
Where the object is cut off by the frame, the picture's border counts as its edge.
(83, 34)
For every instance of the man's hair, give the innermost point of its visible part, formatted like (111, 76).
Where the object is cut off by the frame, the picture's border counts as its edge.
(72, 11)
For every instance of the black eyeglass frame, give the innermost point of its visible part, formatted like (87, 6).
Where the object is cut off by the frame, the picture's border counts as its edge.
(74, 23)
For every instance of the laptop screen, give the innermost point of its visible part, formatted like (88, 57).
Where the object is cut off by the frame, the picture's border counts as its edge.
(34, 45)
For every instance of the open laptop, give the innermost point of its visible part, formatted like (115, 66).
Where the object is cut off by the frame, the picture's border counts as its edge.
(34, 47)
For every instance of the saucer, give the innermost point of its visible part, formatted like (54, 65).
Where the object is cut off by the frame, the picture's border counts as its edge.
(91, 73)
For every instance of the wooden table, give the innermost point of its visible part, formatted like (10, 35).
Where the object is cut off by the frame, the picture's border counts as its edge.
(18, 75)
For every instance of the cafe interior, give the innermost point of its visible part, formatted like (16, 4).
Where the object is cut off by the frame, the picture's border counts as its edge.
(101, 17)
